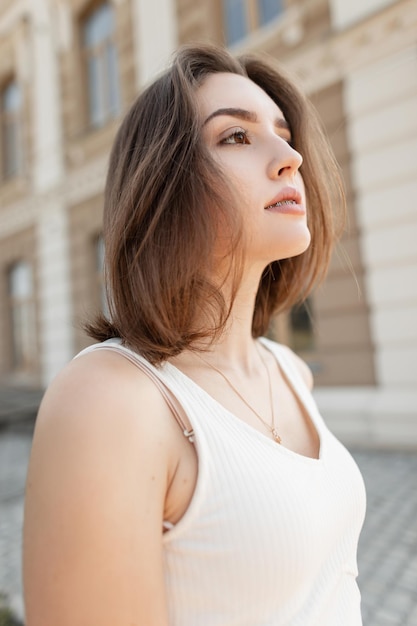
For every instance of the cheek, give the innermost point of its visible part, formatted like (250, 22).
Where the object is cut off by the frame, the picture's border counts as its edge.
(243, 192)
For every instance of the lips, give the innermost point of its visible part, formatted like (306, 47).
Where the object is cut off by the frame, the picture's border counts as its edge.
(287, 197)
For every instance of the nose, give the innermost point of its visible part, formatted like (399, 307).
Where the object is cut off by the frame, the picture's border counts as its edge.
(285, 161)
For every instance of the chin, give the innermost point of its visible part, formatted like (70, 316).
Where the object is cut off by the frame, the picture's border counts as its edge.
(294, 246)
(303, 246)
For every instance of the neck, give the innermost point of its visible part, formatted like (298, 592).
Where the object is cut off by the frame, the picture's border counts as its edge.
(235, 349)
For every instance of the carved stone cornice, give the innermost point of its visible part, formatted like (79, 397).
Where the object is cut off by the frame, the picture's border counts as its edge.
(17, 216)
(330, 59)
(86, 182)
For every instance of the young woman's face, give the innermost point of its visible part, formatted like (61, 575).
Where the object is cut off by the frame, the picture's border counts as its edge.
(249, 138)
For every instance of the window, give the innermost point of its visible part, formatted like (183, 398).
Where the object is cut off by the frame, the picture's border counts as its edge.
(11, 144)
(243, 16)
(235, 20)
(100, 57)
(301, 325)
(99, 250)
(22, 315)
(267, 10)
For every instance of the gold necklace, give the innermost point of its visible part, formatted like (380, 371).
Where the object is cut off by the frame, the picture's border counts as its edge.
(270, 427)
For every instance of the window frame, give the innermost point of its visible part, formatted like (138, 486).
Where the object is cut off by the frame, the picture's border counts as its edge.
(253, 22)
(22, 311)
(99, 52)
(99, 281)
(11, 154)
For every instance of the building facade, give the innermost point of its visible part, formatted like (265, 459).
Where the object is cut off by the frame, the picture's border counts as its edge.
(69, 69)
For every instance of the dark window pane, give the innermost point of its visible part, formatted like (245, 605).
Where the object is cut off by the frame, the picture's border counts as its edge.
(22, 314)
(11, 130)
(101, 65)
(11, 149)
(99, 253)
(11, 99)
(302, 333)
(99, 26)
(268, 9)
(235, 20)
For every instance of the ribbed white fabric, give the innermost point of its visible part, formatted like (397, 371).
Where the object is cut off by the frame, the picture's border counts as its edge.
(270, 536)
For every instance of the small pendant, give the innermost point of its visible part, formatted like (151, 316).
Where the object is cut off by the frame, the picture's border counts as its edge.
(275, 435)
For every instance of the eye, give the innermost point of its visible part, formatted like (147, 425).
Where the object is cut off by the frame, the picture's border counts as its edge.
(288, 139)
(238, 136)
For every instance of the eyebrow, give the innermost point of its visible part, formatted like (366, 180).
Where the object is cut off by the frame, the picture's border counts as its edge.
(247, 116)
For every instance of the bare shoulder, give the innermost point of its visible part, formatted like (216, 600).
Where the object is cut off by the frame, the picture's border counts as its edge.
(301, 366)
(109, 388)
(101, 398)
(95, 495)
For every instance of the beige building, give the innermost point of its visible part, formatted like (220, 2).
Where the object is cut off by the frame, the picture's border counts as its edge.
(68, 71)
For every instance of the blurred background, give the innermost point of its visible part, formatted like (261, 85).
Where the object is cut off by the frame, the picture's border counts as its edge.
(69, 70)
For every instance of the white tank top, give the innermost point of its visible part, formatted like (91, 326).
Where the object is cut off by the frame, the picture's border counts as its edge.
(270, 536)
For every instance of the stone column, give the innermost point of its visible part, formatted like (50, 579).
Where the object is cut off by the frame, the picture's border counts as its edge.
(381, 101)
(48, 176)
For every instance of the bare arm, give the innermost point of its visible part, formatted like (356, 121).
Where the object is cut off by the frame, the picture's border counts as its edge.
(95, 496)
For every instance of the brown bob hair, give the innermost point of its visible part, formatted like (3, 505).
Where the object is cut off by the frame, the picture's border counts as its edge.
(165, 198)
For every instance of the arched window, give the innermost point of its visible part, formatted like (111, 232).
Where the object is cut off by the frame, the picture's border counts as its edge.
(11, 131)
(22, 316)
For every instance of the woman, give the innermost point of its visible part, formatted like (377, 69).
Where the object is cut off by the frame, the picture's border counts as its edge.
(218, 212)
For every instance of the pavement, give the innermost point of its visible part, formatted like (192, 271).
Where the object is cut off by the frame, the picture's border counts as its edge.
(15, 444)
(387, 552)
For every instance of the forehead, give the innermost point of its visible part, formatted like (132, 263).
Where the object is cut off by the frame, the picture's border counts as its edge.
(226, 90)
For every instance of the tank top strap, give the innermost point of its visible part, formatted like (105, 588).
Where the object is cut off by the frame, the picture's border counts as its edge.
(287, 366)
(142, 364)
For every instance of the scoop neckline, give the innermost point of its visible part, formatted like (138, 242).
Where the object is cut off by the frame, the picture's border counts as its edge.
(294, 388)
